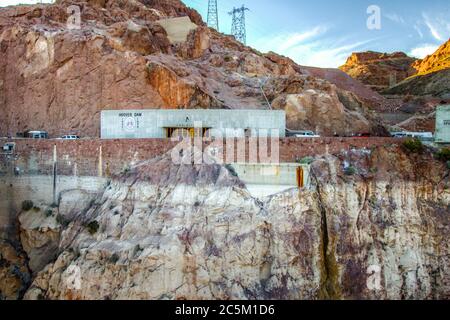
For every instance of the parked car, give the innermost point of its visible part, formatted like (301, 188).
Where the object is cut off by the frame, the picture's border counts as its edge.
(70, 137)
(306, 134)
(423, 136)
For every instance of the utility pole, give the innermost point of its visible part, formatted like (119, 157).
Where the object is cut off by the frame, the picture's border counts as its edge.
(238, 24)
(213, 16)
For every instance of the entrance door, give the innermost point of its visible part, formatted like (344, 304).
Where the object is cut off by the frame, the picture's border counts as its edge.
(300, 177)
(185, 132)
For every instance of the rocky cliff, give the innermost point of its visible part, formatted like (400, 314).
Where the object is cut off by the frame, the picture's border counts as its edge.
(379, 70)
(57, 78)
(163, 231)
(439, 60)
(412, 88)
(432, 77)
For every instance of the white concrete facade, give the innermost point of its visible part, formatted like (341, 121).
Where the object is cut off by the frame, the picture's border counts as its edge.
(154, 123)
(264, 180)
(442, 124)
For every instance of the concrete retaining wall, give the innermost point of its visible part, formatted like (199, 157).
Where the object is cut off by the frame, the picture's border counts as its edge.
(95, 157)
(38, 188)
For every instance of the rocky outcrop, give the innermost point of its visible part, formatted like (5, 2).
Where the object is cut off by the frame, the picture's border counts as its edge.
(379, 70)
(436, 84)
(440, 60)
(39, 236)
(307, 109)
(373, 225)
(14, 274)
(58, 79)
(431, 79)
(369, 97)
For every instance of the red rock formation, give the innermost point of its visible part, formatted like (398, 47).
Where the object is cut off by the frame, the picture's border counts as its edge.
(439, 60)
(379, 70)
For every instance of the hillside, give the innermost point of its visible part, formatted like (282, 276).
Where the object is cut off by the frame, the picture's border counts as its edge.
(436, 84)
(59, 79)
(165, 231)
(440, 60)
(378, 70)
(432, 77)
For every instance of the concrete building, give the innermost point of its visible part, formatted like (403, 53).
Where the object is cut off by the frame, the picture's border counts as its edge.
(156, 123)
(264, 180)
(442, 134)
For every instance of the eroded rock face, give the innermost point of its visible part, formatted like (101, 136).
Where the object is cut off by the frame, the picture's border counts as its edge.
(39, 236)
(391, 215)
(14, 274)
(174, 232)
(309, 108)
(431, 79)
(439, 60)
(59, 79)
(379, 70)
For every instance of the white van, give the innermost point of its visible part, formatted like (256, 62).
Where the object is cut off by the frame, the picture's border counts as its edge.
(424, 136)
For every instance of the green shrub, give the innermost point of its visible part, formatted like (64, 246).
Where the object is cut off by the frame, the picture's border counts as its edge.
(62, 220)
(413, 146)
(36, 209)
(448, 164)
(114, 258)
(27, 205)
(125, 170)
(93, 227)
(350, 171)
(306, 160)
(443, 154)
(48, 212)
(231, 170)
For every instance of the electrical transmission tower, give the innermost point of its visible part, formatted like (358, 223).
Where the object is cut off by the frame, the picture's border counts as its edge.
(213, 17)
(238, 24)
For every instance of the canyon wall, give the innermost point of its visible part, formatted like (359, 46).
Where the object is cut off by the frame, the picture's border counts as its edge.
(163, 231)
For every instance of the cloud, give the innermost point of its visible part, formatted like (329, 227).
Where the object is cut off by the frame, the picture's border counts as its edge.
(325, 54)
(439, 27)
(419, 31)
(294, 39)
(423, 50)
(395, 18)
(313, 47)
(282, 43)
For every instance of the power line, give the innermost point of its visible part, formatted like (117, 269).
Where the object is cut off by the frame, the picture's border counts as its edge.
(213, 16)
(238, 24)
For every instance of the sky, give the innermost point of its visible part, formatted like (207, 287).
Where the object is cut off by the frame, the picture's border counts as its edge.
(323, 33)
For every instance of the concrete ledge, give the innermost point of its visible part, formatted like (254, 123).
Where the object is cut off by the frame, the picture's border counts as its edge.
(95, 157)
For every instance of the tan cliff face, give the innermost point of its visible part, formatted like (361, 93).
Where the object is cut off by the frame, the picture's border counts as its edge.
(194, 232)
(432, 77)
(439, 60)
(58, 80)
(379, 70)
